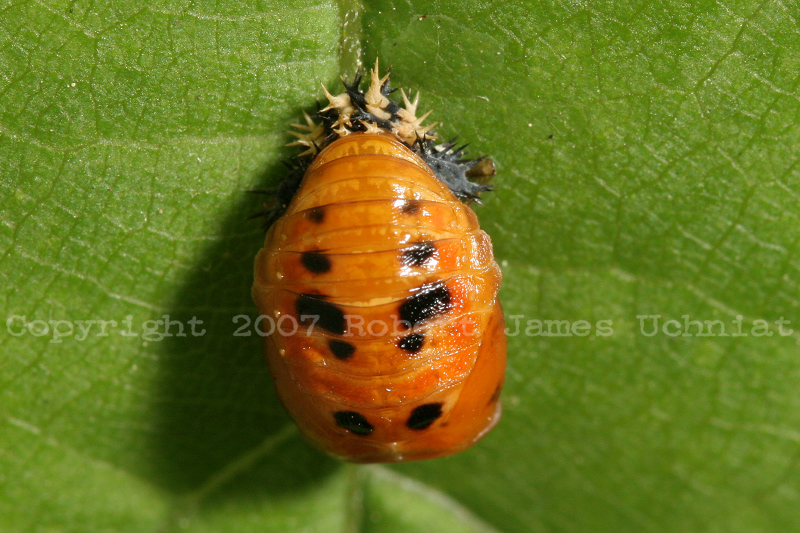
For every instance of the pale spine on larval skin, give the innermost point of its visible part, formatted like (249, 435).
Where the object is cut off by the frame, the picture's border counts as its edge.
(372, 111)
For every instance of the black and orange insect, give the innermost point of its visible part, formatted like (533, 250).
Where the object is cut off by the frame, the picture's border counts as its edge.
(400, 351)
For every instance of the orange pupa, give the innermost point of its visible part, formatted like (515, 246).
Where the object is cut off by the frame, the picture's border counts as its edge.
(396, 349)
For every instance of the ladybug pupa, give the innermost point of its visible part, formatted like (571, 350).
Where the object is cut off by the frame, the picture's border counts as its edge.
(392, 345)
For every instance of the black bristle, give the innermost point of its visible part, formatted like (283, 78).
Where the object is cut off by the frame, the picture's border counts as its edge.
(355, 93)
(385, 89)
(451, 167)
(262, 213)
(285, 191)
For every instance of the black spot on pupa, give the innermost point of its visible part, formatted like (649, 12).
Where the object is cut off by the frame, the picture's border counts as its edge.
(353, 421)
(496, 394)
(316, 262)
(328, 316)
(317, 215)
(431, 300)
(342, 350)
(424, 415)
(417, 254)
(411, 343)
(410, 207)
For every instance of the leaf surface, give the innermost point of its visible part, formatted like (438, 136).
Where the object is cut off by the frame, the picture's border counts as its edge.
(647, 168)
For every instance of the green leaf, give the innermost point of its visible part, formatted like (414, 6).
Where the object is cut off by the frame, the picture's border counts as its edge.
(647, 166)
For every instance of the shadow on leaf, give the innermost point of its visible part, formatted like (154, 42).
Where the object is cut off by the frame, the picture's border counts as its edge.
(215, 403)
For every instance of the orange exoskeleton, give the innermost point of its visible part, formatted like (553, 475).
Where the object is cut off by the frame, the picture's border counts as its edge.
(398, 351)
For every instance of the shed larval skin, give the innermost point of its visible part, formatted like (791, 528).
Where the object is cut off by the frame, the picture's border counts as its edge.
(400, 350)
